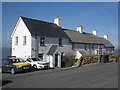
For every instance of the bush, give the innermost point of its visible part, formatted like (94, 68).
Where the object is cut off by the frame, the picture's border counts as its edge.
(115, 56)
(70, 62)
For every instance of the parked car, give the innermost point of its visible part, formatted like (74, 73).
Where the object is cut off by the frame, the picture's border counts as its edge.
(38, 63)
(7, 66)
(21, 64)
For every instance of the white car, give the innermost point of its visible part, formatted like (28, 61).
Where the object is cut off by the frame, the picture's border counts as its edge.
(37, 63)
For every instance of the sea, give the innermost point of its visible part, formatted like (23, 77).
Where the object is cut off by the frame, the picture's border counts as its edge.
(4, 53)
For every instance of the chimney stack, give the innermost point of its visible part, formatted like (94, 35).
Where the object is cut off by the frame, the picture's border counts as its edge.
(79, 29)
(95, 32)
(57, 20)
(106, 36)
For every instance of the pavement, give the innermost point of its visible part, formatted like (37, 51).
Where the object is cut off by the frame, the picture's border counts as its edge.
(88, 76)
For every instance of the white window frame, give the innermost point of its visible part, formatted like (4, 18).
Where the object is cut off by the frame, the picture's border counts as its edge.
(16, 40)
(42, 41)
(60, 42)
(24, 40)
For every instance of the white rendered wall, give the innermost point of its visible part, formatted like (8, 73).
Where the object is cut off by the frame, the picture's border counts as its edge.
(49, 41)
(78, 55)
(89, 49)
(51, 61)
(20, 50)
(59, 61)
(35, 46)
(79, 46)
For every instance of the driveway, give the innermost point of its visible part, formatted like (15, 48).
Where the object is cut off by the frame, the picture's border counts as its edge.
(104, 75)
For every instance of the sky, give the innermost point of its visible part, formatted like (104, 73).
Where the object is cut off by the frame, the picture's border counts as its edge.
(102, 16)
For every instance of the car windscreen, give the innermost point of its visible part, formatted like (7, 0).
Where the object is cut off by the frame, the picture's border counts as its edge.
(22, 60)
(18, 60)
(35, 59)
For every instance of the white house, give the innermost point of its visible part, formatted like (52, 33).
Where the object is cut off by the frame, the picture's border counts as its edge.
(35, 38)
(46, 40)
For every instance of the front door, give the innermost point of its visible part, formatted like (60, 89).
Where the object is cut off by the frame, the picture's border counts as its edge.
(56, 60)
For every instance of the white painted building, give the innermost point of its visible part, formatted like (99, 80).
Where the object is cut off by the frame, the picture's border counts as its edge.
(20, 46)
(33, 38)
(46, 40)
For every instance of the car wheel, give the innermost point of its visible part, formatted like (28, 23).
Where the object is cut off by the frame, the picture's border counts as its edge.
(34, 67)
(12, 71)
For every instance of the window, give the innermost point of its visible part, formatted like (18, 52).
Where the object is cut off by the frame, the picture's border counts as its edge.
(89, 46)
(24, 40)
(73, 46)
(93, 46)
(60, 42)
(85, 46)
(16, 40)
(42, 41)
(29, 60)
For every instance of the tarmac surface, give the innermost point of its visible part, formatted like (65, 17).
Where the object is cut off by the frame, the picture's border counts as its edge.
(103, 75)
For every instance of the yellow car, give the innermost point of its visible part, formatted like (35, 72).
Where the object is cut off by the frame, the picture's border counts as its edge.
(20, 64)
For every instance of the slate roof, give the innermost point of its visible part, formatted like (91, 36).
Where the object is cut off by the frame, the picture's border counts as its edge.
(106, 42)
(77, 37)
(42, 28)
(82, 37)
(52, 50)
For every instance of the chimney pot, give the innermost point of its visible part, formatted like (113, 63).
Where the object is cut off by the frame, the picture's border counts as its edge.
(57, 20)
(95, 32)
(106, 36)
(79, 29)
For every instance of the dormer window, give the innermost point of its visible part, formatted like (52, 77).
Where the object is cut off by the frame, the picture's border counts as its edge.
(24, 40)
(42, 41)
(60, 42)
(16, 40)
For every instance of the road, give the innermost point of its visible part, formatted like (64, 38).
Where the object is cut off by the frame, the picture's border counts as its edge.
(104, 75)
